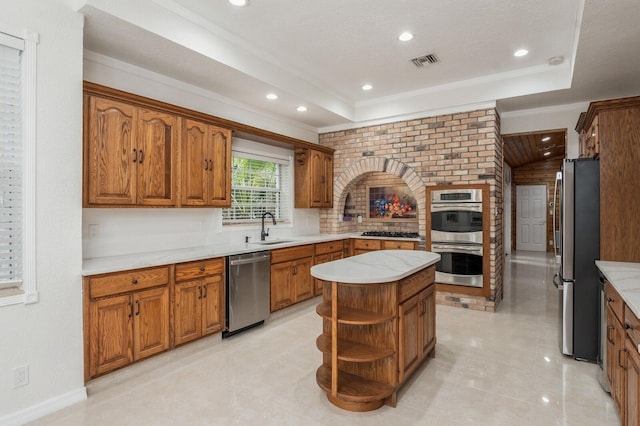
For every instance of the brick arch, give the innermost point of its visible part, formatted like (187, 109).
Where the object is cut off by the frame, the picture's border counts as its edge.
(355, 172)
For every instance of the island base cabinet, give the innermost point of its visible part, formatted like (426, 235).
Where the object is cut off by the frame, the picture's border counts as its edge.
(417, 331)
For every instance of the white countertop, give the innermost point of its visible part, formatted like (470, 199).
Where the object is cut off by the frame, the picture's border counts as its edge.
(103, 265)
(625, 278)
(375, 267)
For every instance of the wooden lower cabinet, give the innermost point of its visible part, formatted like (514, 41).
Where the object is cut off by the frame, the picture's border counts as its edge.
(417, 331)
(364, 245)
(291, 280)
(199, 300)
(124, 328)
(326, 252)
(615, 348)
(632, 382)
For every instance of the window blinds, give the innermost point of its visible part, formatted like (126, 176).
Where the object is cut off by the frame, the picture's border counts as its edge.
(11, 164)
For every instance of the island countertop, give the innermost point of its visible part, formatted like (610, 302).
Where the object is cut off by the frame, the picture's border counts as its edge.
(375, 267)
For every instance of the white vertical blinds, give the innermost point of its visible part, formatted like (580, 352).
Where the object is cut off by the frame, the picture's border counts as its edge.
(11, 164)
(259, 184)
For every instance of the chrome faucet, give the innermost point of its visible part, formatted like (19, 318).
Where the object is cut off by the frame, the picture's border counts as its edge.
(264, 233)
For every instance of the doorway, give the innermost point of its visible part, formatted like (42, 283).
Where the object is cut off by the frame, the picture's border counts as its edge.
(531, 217)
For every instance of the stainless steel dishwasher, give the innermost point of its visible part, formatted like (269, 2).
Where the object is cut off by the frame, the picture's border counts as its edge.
(248, 291)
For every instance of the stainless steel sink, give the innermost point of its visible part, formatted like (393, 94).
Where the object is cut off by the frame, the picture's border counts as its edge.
(270, 242)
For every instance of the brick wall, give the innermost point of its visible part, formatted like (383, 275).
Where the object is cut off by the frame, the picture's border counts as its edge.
(448, 149)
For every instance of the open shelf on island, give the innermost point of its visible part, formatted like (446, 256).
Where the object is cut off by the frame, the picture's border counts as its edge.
(353, 316)
(353, 351)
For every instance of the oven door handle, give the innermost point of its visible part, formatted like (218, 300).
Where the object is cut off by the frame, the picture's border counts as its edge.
(469, 207)
(458, 248)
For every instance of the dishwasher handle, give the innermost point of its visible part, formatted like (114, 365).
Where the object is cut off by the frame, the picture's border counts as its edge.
(263, 258)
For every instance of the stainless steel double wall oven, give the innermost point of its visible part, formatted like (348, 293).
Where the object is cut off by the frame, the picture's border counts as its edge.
(457, 235)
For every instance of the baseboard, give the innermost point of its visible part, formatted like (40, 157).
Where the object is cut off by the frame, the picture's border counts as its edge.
(43, 408)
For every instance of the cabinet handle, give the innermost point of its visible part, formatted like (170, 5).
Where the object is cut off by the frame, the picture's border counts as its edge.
(206, 165)
(134, 281)
(141, 157)
(627, 326)
(199, 292)
(210, 165)
(135, 155)
(130, 309)
(138, 307)
(204, 291)
(609, 339)
(624, 367)
(609, 300)
(202, 269)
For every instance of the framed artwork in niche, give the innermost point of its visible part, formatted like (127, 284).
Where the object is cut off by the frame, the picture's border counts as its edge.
(393, 203)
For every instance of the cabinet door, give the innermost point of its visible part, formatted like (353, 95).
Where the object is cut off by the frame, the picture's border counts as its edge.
(409, 355)
(111, 334)
(615, 345)
(219, 167)
(110, 168)
(281, 285)
(320, 258)
(194, 164)
(428, 319)
(632, 405)
(156, 158)
(150, 322)
(187, 311)
(304, 281)
(321, 179)
(213, 314)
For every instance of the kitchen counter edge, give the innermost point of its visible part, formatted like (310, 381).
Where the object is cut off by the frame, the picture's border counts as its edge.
(625, 278)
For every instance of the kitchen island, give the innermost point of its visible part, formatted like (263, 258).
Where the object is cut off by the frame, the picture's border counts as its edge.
(378, 315)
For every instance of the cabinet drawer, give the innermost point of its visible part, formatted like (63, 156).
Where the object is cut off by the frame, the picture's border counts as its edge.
(291, 253)
(398, 245)
(614, 301)
(414, 283)
(632, 325)
(328, 247)
(367, 244)
(122, 282)
(198, 269)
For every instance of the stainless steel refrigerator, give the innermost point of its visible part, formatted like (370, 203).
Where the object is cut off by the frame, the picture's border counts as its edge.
(578, 278)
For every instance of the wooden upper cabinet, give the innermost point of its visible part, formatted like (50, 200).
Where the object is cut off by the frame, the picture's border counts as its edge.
(313, 178)
(109, 152)
(156, 158)
(206, 165)
(130, 155)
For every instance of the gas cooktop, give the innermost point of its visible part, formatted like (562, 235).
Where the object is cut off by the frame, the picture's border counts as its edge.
(389, 234)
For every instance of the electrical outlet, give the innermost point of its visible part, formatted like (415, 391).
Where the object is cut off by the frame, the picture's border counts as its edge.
(21, 376)
(94, 230)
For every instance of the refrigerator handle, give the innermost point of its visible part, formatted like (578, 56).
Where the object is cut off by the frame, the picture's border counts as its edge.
(556, 281)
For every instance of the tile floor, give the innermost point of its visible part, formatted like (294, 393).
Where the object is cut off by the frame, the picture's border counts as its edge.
(490, 369)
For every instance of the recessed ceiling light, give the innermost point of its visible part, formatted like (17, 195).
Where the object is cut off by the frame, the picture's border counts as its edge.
(301, 108)
(367, 87)
(239, 3)
(546, 138)
(272, 96)
(547, 153)
(405, 36)
(520, 52)
(556, 60)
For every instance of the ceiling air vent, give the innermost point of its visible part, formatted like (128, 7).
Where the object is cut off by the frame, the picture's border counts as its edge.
(430, 58)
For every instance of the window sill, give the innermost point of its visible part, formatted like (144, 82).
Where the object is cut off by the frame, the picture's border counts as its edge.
(14, 296)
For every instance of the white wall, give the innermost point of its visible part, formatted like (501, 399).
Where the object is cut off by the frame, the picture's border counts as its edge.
(550, 118)
(48, 335)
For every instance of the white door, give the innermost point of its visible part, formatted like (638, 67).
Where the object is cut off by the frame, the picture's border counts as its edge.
(531, 217)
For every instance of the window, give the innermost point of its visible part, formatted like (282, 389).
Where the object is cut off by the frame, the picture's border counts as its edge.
(17, 166)
(260, 182)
